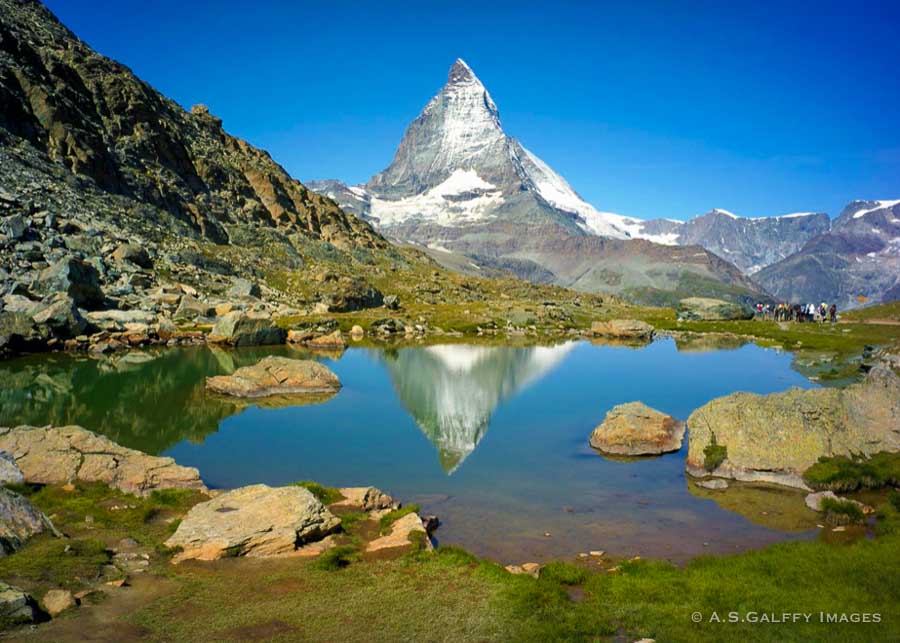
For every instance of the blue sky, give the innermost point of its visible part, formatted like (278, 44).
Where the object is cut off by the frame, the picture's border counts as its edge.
(647, 108)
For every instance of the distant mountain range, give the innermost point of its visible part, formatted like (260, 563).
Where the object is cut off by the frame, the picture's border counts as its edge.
(458, 185)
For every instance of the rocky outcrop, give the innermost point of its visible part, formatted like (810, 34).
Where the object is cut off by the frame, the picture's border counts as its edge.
(19, 521)
(636, 429)
(57, 455)
(707, 309)
(277, 376)
(405, 532)
(16, 607)
(364, 498)
(776, 437)
(623, 329)
(256, 521)
(238, 328)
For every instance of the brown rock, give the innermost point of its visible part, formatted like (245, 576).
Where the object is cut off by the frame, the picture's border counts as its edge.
(57, 601)
(636, 429)
(365, 498)
(255, 521)
(57, 455)
(276, 376)
(331, 340)
(401, 530)
(623, 329)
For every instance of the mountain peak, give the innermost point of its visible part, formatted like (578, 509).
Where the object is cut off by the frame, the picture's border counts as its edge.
(460, 72)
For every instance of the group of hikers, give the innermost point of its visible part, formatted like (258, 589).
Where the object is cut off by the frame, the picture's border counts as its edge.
(798, 312)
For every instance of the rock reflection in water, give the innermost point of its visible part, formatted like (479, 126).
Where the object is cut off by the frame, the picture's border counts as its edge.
(452, 390)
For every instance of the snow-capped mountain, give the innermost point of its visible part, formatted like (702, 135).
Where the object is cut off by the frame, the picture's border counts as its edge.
(458, 183)
(857, 261)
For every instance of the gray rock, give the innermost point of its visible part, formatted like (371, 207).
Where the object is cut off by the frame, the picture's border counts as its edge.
(714, 484)
(61, 316)
(133, 253)
(10, 473)
(191, 308)
(239, 328)
(19, 521)
(78, 279)
(392, 302)
(14, 227)
(244, 289)
(16, 607)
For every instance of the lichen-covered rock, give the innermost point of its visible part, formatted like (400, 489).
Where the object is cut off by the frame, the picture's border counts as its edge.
(19, 521)
(255, 521)
(775, 438)
(57, 601)
(239, 328)
(275, 375)
(10, 473)
(623, 329)
(365, 498)
(708, 309)
(16, 606)
(56, 455)
(636, 429)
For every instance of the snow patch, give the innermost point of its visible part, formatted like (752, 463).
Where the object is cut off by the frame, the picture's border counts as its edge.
(881, 205)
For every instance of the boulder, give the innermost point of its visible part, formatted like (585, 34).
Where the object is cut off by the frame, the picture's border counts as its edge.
(16, 607)
(239, 328)
(14, 227)
(387, 326)
(244, 289)
(191, 308)
(623, 329)
(352, 294)
(10, 473)
(276, 376)
(133, 253)
(392, 302)
(57, 455)
(57, 601)
(364, 498)
(357, 333)
(61, 316)
(404, 531)
(254, 521)
(636, 429)
(118, 320)
(19, 333)
(329, 341)
(775, 438)
(78, 279)
(708, 309)
(19, 521)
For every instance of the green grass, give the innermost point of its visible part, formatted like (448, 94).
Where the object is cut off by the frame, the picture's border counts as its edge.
(714, 454)
(47, 562)
(326, 495)
(842, 512)
(336, 558)
(391, 517)
(889, 311)
(841, 473)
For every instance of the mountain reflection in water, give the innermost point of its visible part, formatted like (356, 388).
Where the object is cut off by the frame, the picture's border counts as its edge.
(451, 390)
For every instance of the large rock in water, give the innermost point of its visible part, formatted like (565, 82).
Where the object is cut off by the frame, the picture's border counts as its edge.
(775, 438)
(622, 329)
(19, 521)
(276, 376)
(707, 309)
(56, 455)
(254, 521)
(238, 328)
(79, 280)
(636, 429)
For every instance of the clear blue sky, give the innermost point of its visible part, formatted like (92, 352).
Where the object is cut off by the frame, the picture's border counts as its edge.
(647, 108)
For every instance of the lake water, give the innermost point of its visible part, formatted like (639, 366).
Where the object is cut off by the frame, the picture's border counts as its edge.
(493, 440)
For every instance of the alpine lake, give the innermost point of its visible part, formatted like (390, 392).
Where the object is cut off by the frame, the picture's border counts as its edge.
(491, 439)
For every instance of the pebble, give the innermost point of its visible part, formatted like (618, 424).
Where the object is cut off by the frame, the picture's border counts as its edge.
(597, 552)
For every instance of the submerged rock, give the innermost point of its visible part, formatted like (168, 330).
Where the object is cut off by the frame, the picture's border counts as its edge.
(276, 376)
(708, 309)
(238, 328)
(775, 438)
(623, 329)
(716, 484)
(254, 521)
(814, 501)
(57, 455)
(636, 429)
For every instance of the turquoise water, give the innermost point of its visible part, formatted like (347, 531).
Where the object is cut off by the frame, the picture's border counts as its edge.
(493, 440)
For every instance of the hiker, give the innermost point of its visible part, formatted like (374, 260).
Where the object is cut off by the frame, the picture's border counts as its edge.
(832, 313)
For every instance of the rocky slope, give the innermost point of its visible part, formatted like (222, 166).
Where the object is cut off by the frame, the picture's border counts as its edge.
(458, 183)
(857, 261)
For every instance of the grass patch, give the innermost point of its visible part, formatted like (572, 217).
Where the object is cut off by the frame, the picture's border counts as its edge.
(351, 519)
(326, 495)
(47, 562)
(714, 454)
(842, 512)
(391, 517)
(842, 474)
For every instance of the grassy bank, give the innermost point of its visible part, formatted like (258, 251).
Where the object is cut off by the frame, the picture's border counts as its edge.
(449, 595)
